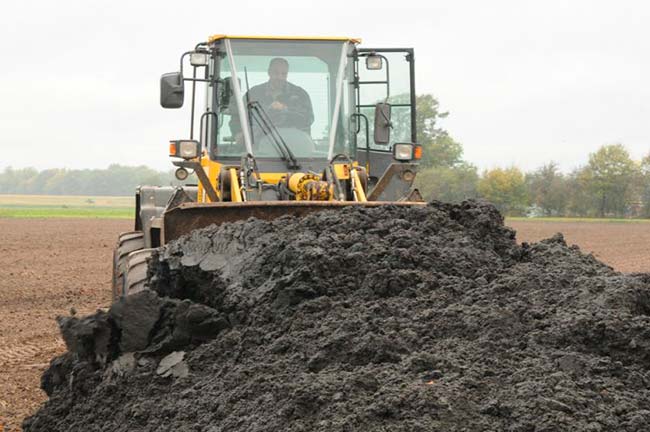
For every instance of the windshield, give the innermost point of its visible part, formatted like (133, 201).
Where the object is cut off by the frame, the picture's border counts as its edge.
(279, 99)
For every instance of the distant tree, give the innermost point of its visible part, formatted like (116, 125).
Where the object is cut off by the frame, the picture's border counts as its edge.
(611, 174)
(439, 148)
(580, 199)
(116, 180)
(449, 184)
(643, 186)
(548, 189)
(7, 180)
(505, 188)
(442, 151)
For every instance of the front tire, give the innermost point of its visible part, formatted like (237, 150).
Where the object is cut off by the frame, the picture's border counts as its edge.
(126, 244)
(136, 271)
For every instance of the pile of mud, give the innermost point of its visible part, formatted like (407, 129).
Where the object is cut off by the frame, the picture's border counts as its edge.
(385, 319)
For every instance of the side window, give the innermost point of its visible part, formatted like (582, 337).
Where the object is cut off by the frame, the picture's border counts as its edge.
(397, 92)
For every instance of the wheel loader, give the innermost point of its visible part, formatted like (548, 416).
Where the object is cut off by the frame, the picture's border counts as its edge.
(288, 126)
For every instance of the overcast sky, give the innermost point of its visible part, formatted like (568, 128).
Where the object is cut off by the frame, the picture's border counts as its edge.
(525, 82)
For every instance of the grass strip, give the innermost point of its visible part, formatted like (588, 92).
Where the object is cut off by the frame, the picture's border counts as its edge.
(66, 212)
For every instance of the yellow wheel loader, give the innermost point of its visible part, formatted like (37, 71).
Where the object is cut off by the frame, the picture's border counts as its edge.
(290, 125)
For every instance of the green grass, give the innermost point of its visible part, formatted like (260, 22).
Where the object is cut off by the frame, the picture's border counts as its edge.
(55, 206)
(576, 219)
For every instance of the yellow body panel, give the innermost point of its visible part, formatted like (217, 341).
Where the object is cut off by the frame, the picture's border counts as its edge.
(272, 177)
(289, 38)
(359, 193)
(342, 171)
(212, 170)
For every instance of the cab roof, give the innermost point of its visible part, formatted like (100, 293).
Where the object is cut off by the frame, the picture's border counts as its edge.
(217, 37)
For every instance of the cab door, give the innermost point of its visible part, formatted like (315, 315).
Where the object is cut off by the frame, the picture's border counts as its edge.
(393, 83)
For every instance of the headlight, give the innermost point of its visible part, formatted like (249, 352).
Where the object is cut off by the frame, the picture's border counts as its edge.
(199, 59)
(403, 152)
(181, 174)
(184, 149)
(374, 62)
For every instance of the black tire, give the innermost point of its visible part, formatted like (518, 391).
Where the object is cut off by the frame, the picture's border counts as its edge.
(135, 279)
(126, 243)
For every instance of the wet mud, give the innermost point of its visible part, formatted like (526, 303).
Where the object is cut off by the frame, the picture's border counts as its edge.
(384, 319)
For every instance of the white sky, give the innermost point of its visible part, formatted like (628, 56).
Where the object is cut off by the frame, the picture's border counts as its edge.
(525, 81)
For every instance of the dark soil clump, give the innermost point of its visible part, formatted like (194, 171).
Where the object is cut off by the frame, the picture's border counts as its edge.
(384, 319)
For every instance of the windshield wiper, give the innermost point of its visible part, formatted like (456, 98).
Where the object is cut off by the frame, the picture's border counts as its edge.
(268, 128)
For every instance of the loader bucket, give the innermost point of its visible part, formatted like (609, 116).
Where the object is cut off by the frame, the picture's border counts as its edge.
(187, 217)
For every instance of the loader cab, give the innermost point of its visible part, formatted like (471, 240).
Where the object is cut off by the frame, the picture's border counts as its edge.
(358, 102)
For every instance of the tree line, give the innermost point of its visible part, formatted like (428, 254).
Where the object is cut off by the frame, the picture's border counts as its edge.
(116, 180)
(610, 184)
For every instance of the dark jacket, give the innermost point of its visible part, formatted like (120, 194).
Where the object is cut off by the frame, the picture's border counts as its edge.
(298, 114)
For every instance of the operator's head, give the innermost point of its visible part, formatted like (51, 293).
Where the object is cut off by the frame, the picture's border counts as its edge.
(278, 70)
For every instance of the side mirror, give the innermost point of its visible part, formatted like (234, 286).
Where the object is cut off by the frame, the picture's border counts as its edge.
(172, 90)
(382, 123)
(225, 91)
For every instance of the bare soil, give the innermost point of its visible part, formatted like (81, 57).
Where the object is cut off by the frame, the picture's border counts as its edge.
(624, 246)
(48, 266)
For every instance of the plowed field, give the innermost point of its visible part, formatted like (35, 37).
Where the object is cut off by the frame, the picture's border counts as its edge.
(48, 266)
(624, 246)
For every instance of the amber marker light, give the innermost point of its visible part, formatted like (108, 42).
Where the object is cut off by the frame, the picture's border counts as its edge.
(417, 154)
(172, 149)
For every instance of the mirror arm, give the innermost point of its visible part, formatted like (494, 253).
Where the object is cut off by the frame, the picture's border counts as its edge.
(181, 61)
(193, 102)
(185, 54)
(387, 77)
